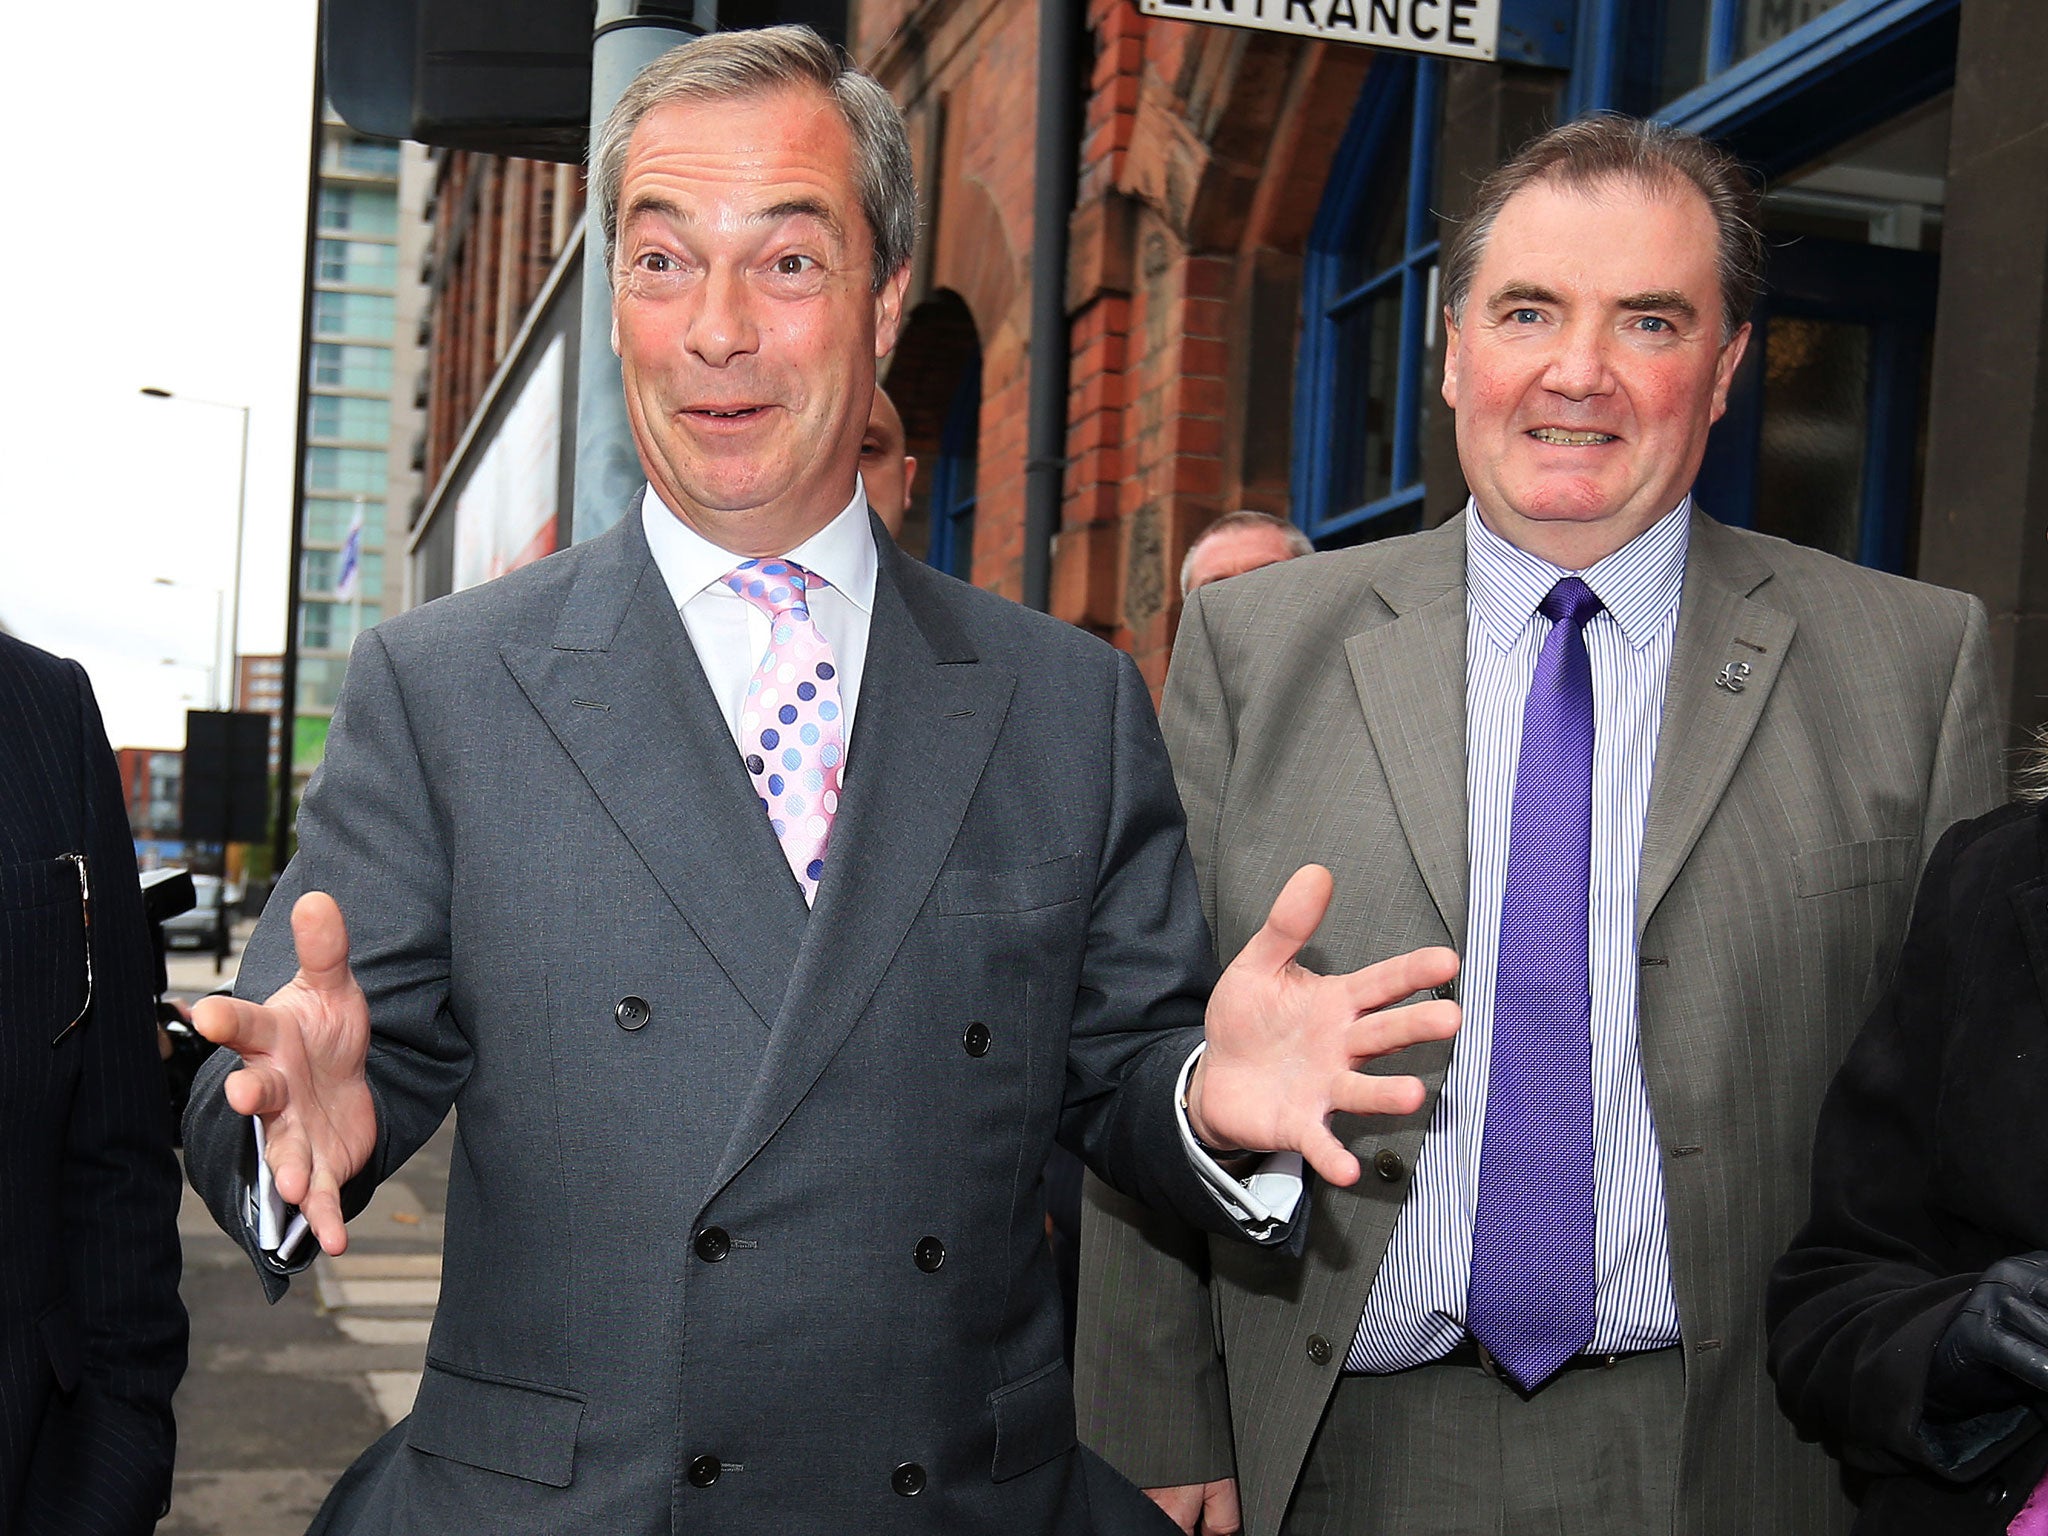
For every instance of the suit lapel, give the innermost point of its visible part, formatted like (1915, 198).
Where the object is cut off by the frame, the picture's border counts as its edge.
(925, 724)
(622, 690)
(1707, 724)
(1410, 676)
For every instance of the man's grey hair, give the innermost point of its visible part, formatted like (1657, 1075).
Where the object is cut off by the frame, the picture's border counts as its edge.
(2030, 774)
(1297, 541)
(727, 66)
(1653, 157)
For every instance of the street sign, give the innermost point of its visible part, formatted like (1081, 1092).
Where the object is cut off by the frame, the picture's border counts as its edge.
(1458, 29)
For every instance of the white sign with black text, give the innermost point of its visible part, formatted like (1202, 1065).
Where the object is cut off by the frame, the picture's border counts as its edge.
(1459, 29)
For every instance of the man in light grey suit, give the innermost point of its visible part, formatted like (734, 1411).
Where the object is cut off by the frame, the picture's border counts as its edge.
(1543, 1308)
(755, 1082)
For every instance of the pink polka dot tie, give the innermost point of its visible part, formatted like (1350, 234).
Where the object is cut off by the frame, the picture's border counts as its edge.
(791, 729)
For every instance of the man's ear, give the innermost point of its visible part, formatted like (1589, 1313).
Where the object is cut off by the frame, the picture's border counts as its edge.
(889, 310)
(615, 329)
(1452, 339)
(909, 474)
(1724, 369)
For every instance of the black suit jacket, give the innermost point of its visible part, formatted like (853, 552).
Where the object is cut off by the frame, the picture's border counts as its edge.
(92, 1334)
(1930, 1166)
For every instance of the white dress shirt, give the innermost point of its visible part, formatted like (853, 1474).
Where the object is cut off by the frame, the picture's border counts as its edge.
(1416, 1311)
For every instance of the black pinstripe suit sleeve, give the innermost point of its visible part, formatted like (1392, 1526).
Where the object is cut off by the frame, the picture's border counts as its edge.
(104, 1239)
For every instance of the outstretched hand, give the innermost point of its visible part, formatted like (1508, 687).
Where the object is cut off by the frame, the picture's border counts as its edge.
(1284, 1044)
(303, 1054)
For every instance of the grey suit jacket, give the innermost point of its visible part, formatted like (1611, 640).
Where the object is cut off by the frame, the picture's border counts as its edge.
(778, 1233)
(1316, 712)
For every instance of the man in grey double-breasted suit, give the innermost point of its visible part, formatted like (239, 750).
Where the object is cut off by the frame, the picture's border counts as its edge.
(755, 1082)
(1776, 740)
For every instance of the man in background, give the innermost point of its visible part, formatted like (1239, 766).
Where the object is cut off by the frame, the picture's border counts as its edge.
(1238, 542)
(886, 469)
(1665, 786)
(92, 1334)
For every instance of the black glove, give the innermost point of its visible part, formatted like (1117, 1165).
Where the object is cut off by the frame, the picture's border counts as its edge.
(1994, 1354)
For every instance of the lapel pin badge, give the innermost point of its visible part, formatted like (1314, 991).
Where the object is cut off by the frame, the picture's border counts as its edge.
(1734, 677)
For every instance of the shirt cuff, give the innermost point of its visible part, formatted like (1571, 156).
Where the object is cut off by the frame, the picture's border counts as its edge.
(279, 1227)
(1263, 1204)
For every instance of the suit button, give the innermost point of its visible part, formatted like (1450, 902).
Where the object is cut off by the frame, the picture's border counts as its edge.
(1447, 993)
(908, 1479)
(704, 1471)
(1994, 1492)
(713, 1244)
(930, 1254)
(1388, 1165)
(1319, 1349)
(632, 1012)
(976, 1039)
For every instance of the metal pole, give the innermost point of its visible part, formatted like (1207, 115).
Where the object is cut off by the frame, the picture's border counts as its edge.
(213, 688)
(1052, 200)
(288, 703)
(234, 686)
(630, 35)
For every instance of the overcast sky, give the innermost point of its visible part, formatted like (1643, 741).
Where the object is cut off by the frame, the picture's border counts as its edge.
(155, 237)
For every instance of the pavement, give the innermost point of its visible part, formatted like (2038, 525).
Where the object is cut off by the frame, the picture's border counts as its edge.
(279, 1400)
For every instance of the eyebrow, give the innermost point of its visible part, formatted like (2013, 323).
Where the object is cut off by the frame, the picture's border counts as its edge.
(776, 213)
(1523, 293)
(1654, 301)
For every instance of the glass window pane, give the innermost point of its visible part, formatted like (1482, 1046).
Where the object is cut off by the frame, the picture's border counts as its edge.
(339, 367)
(361, 210)
(1378, 236)
(1815, 433)
(373, 158)
(1362, 430)
(372, 315)
(1764, 22)
(1667, 50)
(357, 263)
(345, 469)
(348, 419)
(327, 521)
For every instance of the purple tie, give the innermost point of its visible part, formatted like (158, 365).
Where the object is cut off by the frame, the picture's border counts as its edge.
(1531, 1301)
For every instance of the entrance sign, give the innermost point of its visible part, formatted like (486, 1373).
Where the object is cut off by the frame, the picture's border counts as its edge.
(1458, 29)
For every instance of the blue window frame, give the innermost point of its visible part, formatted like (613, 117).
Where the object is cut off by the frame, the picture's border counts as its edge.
(1368, 297)
(953, 497)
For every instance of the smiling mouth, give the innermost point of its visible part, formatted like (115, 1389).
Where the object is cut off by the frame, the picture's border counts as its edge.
(1559, 437)
(736, 413)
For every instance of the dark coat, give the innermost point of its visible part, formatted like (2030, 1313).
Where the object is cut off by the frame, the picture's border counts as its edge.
(92, 1334)
(763, 1250)
(1931, 1164)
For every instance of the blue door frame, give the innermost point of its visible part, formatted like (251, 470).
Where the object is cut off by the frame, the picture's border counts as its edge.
(954, 497)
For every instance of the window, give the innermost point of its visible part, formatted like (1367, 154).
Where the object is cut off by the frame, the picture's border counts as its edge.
(359, 210)
(954, 495)
(316, 573)
(1639, 55)
(348, 419)
(357, 263)
(346, 469)
(1368, 301)
(317, 627)
(354, 314)
(338, 367)
(371, 157)
(327, 521)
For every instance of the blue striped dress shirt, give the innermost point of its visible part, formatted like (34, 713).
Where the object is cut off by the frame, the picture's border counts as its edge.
(1416, 1311)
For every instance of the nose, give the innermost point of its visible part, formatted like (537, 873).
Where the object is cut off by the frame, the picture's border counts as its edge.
(722, 324)
(1579, 367)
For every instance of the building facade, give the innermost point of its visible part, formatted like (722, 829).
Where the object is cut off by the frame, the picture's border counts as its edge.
(1251, 287)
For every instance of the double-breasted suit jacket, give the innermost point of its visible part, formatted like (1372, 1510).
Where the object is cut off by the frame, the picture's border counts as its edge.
(1316, 711)
(744, 1230)
(92, 1334)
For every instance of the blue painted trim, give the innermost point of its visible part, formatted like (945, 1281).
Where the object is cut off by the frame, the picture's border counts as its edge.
(1410, 88)
(1595, 83)
(1830, 42)
(1538, 32)
(1724, 36)
(954, 493)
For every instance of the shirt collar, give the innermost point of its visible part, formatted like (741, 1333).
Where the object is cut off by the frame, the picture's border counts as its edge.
(1639, 584)
(843, 552)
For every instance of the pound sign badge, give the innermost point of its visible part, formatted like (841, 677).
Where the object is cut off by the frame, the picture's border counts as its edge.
(1733, 676)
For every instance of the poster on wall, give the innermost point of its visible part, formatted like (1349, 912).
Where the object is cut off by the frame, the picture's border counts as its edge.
(506, 514)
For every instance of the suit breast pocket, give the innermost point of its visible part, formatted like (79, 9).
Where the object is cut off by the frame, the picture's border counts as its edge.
(1845, 866)
(510, 1427)
(1030, 888)
(43, 978)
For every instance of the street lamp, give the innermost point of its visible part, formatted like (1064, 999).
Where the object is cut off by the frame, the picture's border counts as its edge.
(213, 688)
(241, 512)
